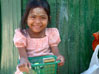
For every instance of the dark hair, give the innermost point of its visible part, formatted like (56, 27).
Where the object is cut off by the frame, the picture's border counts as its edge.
(33, 4)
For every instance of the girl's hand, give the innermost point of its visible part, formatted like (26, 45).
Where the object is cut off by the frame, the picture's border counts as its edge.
(61, 58)
(24, 65)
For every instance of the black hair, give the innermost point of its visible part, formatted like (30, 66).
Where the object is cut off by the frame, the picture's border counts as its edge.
(31, 5)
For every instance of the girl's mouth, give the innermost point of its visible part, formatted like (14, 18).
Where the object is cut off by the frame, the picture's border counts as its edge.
(36, 27)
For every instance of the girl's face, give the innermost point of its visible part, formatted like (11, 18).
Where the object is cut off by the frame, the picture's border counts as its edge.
(37, 20)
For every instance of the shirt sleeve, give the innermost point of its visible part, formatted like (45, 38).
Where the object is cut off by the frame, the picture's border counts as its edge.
(19, 39)
(54, 37)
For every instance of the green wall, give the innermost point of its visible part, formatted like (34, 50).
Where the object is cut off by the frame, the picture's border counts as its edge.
(0, 35)
(76, 20)
(10, 17)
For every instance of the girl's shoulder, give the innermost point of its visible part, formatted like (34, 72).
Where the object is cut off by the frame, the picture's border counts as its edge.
(53, 36)
(52, 30)
(18, 32)
(19, 39)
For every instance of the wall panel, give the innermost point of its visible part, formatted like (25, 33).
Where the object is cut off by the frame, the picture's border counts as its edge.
(11, 14)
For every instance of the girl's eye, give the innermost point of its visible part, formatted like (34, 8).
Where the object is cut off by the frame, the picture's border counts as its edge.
(43, 17)
(33, 17)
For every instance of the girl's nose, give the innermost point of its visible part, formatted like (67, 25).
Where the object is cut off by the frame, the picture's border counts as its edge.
(37, 20)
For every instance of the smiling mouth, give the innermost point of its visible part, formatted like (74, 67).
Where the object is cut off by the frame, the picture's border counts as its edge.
(36, 27)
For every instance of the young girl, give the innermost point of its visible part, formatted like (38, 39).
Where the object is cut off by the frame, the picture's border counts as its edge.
(33, 38)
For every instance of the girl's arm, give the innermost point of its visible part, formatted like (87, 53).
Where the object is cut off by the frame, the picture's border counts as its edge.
(22, 52)
(23, 58)
(55, 51)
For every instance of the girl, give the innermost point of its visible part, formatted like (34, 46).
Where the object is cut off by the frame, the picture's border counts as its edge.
(34, 38)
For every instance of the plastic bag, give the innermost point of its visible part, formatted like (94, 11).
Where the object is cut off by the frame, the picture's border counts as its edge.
(94, 64)
(96, 40)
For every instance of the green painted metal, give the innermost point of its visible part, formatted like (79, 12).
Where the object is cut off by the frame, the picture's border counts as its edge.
(76, 20)
(11, 14)
(23, 4)
(0, 35)
(89, 24)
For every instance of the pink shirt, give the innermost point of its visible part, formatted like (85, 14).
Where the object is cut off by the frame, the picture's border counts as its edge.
(38, 46)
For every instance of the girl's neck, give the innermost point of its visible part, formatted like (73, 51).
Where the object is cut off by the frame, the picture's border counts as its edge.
(36, 35)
